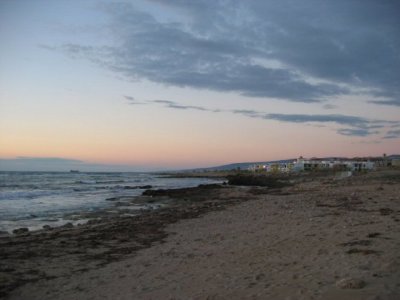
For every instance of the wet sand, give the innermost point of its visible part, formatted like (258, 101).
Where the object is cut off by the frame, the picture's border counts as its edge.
(317, 239)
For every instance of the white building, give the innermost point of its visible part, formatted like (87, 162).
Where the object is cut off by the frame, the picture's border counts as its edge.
(302, 164)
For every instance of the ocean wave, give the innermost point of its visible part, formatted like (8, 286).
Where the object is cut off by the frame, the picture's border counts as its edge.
(88, 181)
(23, 195)
(109, 181)
(20, 186)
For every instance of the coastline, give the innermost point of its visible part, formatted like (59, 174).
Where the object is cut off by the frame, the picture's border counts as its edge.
(37, 199)
(302, 241)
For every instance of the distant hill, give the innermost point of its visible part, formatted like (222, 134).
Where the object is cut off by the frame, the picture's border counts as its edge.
(235, 166)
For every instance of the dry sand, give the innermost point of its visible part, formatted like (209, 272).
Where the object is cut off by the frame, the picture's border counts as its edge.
(322, 239)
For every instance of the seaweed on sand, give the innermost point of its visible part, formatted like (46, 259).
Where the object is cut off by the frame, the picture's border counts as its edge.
(257, 180)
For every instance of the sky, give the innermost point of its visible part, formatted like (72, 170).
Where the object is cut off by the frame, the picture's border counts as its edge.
(152, 85)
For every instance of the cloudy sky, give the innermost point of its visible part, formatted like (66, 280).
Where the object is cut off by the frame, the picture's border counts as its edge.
(175, 84)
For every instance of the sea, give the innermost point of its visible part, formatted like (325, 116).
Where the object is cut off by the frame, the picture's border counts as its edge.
(34, 199)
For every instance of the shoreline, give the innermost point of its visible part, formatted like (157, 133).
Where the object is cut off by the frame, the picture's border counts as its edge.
(111, 230)
(59, 203)
(313, 234)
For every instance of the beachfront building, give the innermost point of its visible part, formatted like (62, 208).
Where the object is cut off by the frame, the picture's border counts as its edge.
(314, 164)
(272, 168)
(396, 162)
(360, 165)
(258, 168)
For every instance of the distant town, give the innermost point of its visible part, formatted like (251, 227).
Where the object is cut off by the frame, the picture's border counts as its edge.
(335, 164)
(302, 164)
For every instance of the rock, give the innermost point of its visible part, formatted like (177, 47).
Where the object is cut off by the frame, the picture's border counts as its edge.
(159, 192)
(357, 242)
(47, 227)
(385, 211)
(93, 221)
(112, 199)
(350, 283)
(362, 251)
(182, 192)
(128, 187)
(145, 187)
(20, 230)
(68, 225)
(373, 234)
(4, 233)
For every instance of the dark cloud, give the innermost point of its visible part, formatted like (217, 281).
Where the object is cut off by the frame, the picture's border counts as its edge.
(356, 126)
(187, 107)
(247, 112)
(360, 126)
(304, 118)
(226, 46)
(172, 104)
(137, 103)
(392, 134)
(356, 132)
(258, 48)
(129, 98)
(394, 102)
(163, 102)
(133, 101)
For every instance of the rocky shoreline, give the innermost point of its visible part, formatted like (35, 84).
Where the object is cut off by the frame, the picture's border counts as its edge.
(318, 238)
(107, 236)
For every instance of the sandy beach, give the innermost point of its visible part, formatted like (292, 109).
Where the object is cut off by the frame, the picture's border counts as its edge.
(320, 238)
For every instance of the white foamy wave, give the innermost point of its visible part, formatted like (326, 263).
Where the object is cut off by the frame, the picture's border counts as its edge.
(16, 195)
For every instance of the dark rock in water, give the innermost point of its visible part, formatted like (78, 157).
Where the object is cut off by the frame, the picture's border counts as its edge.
(68, 225)
(47, 227)
(145, 187)
(128, 187)
(93, 221)
(159, 192)
(112, 199)
(350, 283)
(20, 230)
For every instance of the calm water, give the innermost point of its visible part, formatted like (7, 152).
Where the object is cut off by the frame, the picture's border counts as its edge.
(32, 199)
